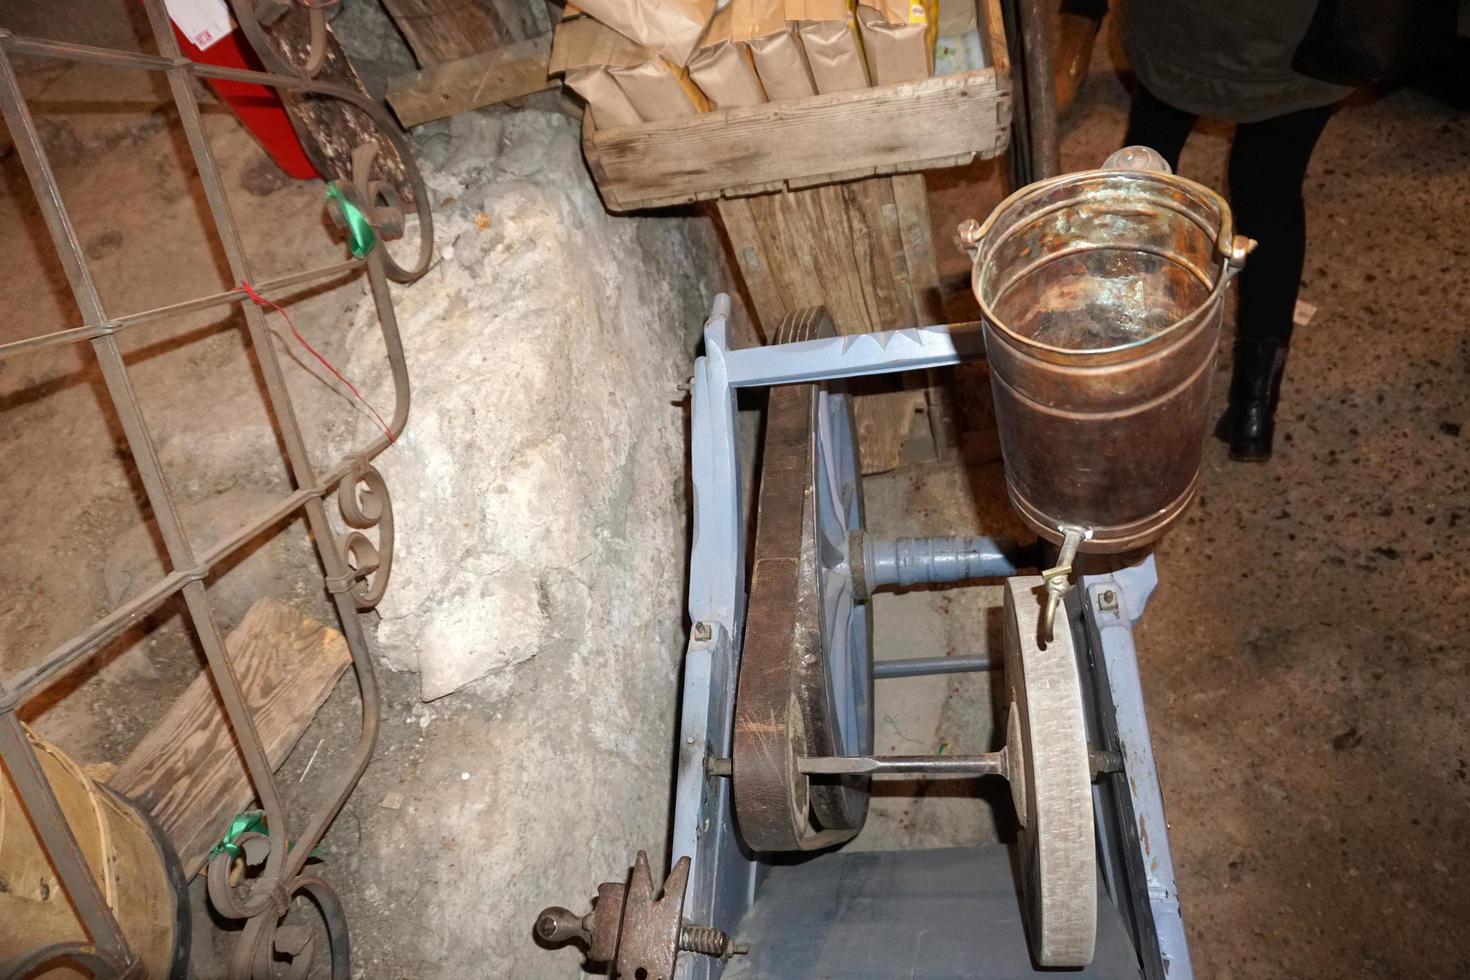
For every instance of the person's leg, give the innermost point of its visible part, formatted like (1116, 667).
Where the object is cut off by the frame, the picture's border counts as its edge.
(1268, 163)
(1158, 125)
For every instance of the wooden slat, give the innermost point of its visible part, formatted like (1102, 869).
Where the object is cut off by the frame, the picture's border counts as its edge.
(837, 246)
(510, 72)
(440, 31)
(187, 771)
(748, 251)
(821, 139)
(994, 27)
(911, 198)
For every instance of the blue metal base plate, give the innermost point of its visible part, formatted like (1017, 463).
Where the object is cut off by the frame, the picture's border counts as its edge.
(923, 915)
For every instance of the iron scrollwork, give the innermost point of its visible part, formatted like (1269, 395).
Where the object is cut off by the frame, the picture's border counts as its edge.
(265, 877)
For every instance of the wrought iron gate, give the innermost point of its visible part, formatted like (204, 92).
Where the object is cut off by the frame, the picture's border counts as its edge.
(356, 566)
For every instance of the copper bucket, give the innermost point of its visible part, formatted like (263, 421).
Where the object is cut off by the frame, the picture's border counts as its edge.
(1101, 293)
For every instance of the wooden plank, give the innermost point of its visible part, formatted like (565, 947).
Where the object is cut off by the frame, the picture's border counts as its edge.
(911, 198)
(836, 246)
(954, 117)
(511, 72)
(994, 26)
(187, 771)
(440, 31)
(764, 302)
(885, 419)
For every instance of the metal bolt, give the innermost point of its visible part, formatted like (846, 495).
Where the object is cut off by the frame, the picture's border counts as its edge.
(1107, 601)
(1104, 761)
(969, 231)
(709, 941)
(702, 632)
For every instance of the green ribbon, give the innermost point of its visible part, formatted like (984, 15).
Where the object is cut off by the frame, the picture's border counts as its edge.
(360, 235)
(247, 822)
(250, 821)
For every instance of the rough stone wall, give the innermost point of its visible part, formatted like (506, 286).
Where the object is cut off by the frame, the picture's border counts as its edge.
(540, 488)
(540, 493)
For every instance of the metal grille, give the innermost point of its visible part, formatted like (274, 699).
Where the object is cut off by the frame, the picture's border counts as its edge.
(356, 566)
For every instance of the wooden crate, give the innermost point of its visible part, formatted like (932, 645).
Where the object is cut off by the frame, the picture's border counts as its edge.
(912, 126)
(823, 202)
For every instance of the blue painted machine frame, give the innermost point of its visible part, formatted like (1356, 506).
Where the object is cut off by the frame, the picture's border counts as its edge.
(724, 876)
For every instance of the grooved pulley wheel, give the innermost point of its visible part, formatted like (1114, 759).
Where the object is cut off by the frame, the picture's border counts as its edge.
(805, 685)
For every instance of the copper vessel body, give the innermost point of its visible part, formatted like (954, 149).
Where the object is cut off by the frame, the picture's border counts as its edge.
(1102, 294)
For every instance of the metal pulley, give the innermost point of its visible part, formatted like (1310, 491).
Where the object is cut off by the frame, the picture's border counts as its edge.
(1101, 294)
(805, 685)
(802, 764)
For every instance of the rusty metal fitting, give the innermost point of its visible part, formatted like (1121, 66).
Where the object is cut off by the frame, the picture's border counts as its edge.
(970, 232)
(709, 941)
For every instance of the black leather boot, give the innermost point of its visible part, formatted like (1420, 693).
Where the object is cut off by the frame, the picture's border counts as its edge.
(1249, 424)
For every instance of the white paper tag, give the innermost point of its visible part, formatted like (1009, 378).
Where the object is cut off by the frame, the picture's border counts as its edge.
(203, 22)
(1303, 313)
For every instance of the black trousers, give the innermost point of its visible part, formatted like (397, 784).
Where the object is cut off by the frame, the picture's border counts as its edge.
(1268, 162)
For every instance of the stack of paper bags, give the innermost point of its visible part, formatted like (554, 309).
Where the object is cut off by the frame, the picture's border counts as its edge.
(898, 38)
(623, 83)
(829, 35)
(722, 67)
(670, 29)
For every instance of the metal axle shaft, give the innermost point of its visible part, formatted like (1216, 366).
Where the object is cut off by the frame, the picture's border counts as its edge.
(989, 764)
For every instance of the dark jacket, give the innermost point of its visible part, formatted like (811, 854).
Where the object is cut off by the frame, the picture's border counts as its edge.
(1225, 58)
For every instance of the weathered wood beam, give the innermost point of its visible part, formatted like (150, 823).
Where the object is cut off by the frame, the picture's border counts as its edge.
(187, 771)
(511, 72)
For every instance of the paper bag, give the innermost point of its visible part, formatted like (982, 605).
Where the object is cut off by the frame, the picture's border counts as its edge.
(898, 38)
(764, 27)
(582, 50)
(723, 69)
(669, 28)
(829, 35)
(660, 90)
(610, 106)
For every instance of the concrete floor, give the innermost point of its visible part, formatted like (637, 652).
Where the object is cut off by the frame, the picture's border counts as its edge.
(1304, 659)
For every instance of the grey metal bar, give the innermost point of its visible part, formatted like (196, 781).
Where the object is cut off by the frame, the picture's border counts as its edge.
(1039, 89)
(1115, 601)
(925, 666)
(55, 833)
(920, 561)
(75, 334)
(988, 764)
